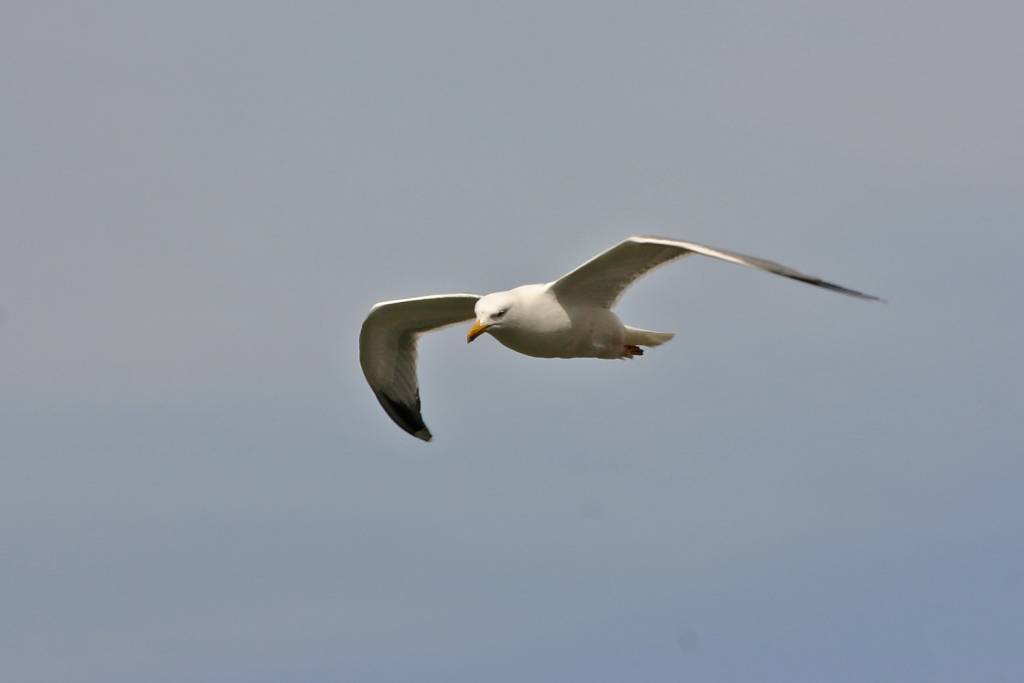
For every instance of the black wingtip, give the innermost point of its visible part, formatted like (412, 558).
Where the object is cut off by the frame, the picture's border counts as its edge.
(405, 416)
(825, 284)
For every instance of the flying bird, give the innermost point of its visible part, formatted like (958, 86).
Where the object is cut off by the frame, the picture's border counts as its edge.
(571, 317)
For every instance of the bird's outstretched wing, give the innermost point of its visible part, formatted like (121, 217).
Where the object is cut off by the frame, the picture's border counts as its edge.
(602, 279)
(387, 350)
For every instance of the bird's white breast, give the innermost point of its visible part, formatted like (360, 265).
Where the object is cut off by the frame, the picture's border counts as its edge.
(544, 327)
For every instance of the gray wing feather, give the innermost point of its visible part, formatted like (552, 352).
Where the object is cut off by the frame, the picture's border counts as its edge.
(604, 278)
(387, 351)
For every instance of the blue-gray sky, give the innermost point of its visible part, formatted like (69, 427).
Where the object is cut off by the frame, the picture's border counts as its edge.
(200, 202)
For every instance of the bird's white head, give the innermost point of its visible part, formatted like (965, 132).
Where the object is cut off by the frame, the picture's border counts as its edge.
(492, 311)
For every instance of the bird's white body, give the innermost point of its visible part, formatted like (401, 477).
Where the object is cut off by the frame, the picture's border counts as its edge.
(539, 325)
(570, 317)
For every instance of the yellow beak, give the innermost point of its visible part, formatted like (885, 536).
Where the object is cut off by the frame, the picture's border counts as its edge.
(475, 331)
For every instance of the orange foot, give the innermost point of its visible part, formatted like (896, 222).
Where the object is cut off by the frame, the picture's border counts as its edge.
(630, 350)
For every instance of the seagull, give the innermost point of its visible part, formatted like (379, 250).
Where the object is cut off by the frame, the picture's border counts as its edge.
(571, 317)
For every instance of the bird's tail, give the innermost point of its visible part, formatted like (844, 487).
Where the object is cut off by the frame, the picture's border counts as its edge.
(638, 337)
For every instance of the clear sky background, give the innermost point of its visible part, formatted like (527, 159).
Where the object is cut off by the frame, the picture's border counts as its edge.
(200, 202)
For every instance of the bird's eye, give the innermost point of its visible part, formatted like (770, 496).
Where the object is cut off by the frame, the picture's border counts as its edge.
(501, 313)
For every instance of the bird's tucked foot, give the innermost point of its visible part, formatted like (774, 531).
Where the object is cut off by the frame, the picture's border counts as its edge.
(630, 350)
